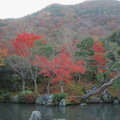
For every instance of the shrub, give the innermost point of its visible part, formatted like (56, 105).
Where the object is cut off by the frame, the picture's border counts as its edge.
(58, 97)
(21, 98)
(2, 92)
(25, 92)
(1, 98)
(6, 97)
(72, 100)
(27, 97)
(30, 98)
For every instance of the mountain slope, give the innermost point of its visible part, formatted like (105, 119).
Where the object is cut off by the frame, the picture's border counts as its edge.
(59, 23)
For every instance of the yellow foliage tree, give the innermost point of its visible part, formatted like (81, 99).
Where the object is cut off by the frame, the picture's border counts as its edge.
(3, 55)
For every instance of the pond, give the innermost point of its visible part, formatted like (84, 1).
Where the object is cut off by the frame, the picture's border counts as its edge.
(86, 112)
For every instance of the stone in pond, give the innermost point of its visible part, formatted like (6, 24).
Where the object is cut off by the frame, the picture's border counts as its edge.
(36, 115)
(115, 102)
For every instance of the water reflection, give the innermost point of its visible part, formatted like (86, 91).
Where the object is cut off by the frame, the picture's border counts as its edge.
(88, 112)
(100, 112)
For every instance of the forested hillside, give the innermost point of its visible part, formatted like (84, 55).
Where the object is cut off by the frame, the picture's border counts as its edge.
(58, 23)
(63, 50)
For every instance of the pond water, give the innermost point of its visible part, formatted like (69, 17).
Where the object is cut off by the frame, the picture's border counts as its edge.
(86, 112)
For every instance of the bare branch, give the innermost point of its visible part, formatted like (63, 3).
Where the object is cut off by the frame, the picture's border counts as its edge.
(99, 90)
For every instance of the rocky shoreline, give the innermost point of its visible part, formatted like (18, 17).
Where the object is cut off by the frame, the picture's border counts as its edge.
(49, 100)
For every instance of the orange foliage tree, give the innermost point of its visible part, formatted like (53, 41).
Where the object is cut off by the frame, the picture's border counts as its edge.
(3, 54)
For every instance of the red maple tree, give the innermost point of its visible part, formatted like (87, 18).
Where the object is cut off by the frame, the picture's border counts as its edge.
(23, 42)
(60, 68)
(99, 56)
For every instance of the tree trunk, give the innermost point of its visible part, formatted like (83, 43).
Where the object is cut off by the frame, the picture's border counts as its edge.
(62, 87)
(99, 90)
(79, 77)
(23, 85)
(35, 82)
(48, 87)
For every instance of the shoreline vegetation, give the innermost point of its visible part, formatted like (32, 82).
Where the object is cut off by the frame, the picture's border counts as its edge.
(88, 70)
(59, 99)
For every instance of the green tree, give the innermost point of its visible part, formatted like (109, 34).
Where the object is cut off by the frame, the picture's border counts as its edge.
(85, 52)
(42, 48)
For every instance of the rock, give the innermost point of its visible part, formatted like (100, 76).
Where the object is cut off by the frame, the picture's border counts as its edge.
(15, 98)
(62, 102)
(95, 100)
(88, 91)
(94, 88)
(45, 99)
(91, 90)
(119, 100)
(36, 115)
(115, 102)
(107, 97)
(82, 104)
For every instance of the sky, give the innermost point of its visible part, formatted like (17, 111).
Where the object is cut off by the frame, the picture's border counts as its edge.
(20, 8)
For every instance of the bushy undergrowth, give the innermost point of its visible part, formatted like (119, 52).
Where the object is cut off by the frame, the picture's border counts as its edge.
(27, 97)
(58, 97)
(72, 100)
(25, 92)
(5, 97)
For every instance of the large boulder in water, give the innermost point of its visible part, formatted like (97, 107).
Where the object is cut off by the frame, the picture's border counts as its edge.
(36, 115)
(46, 99)
(115, 101)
